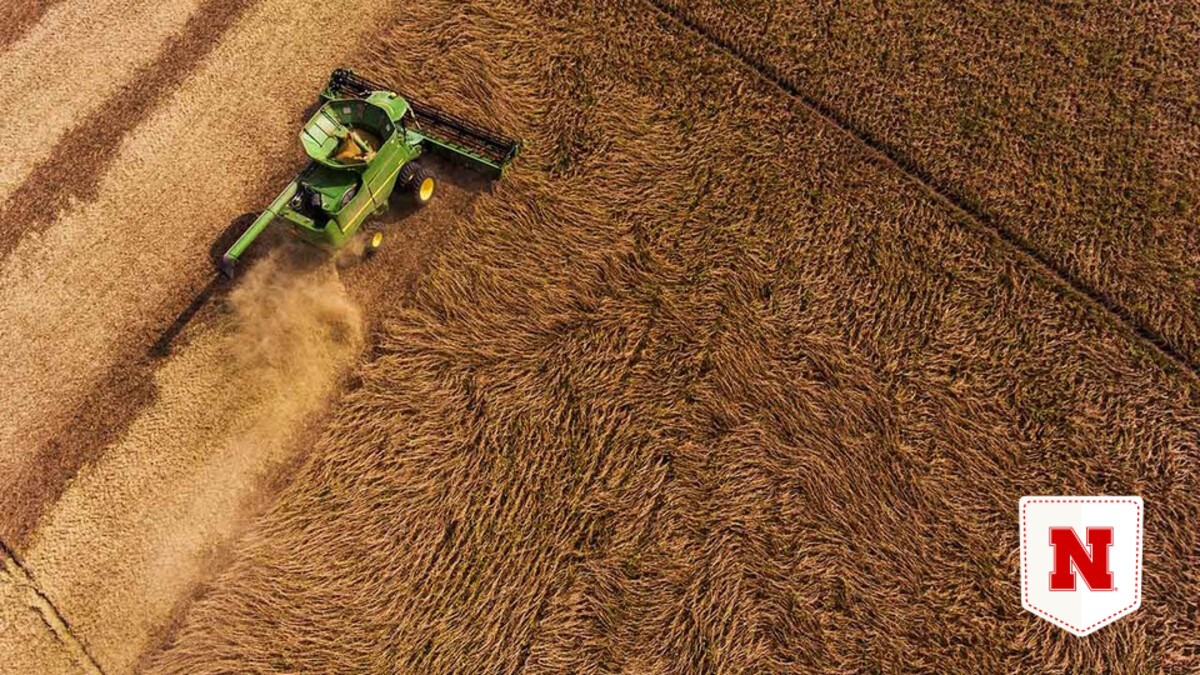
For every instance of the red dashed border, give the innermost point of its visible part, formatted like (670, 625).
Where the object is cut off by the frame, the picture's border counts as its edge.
(1137, 561)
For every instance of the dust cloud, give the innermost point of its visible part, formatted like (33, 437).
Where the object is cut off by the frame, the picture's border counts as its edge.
(292, 317)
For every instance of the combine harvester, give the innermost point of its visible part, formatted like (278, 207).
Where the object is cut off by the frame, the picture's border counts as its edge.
(364, 143)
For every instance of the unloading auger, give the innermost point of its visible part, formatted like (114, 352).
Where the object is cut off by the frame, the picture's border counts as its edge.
(365, 141)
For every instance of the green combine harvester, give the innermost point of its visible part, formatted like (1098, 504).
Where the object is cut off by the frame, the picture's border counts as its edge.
(365, 142)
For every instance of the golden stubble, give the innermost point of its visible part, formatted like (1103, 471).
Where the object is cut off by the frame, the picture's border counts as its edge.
(67, 66)
(131, 535)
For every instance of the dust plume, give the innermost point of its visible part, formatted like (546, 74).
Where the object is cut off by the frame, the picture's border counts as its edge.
(291, 317)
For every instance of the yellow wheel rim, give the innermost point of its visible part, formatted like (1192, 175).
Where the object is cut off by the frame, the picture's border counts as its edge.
(377, 240)
(426, 189)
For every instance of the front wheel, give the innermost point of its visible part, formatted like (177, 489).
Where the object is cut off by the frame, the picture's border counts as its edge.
(374, 243)
(423, 186)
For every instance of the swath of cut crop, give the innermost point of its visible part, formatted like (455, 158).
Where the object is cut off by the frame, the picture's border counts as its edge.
(668, 403)
(1074, 131)
(131, 533)
(119, 269)
(56, 168)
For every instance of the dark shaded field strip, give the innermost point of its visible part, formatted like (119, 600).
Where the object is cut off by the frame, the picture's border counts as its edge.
(1100, 304)
(19, 17)
(41, 603)
(83, 155)
(74, 171)
(127, 387)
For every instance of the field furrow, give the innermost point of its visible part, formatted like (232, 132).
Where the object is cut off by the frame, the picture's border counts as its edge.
(33, 636)
(970, 214)
(231, 408)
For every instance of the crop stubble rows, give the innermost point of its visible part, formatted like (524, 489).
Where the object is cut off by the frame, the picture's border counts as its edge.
(116, 292)
(87, 429)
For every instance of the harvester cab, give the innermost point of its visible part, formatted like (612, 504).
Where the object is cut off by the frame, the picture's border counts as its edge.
(365, 142)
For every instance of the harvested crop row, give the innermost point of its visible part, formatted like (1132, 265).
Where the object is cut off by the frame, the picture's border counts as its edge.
(212, 443)
(68, 141)
(1074, 130)
(49, 83)
(82, 301)
(700, 387)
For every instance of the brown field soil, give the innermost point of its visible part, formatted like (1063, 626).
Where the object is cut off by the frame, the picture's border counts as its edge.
(701, 387)
(1074, 127)
(705, 384)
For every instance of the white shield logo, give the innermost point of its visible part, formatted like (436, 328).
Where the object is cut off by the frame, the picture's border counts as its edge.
(1081, 559)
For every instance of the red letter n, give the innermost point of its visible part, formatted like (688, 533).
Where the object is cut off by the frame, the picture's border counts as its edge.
(1068, 552)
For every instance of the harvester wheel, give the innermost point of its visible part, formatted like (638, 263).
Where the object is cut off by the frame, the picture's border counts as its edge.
(423, 186)
(374, 244)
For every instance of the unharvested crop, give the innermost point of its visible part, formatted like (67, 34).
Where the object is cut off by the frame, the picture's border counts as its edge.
(1072, 127)
(700, 387)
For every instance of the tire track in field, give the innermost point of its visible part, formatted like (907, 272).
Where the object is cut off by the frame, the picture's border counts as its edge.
(20, 17)
(1098, 302)
(83, 300)
(52, 646)
(72, 170)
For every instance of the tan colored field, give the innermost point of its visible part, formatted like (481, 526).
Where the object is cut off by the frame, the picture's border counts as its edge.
(705, 384)
(1072, 127)
(47, 84)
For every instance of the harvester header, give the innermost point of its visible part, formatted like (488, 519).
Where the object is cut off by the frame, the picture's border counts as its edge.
(446, 134)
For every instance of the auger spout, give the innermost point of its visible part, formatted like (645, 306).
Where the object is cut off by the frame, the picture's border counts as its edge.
(229, 260)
